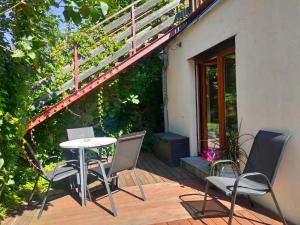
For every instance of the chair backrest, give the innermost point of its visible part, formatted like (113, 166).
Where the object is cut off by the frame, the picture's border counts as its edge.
(266, 153)
(38, 166)
(127, 152)
(82, 132)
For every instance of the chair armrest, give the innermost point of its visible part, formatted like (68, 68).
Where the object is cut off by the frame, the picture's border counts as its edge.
(49, 158)
(102, 168)
(91, 161)
(228, 161)
(60, 165)
(236, 183)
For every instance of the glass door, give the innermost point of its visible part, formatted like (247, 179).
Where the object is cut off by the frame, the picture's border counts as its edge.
(218, 111)
(210, 104)
(231, 123)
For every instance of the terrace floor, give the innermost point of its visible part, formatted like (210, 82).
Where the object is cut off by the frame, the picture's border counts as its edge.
(174, 197)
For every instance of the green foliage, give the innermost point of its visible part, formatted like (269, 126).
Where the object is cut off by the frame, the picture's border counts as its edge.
(131, 102)
(32, 48)
(27, 33)
(234, 146)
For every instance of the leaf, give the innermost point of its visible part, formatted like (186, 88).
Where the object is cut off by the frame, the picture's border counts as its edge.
(10, 182)
(135, 101)
(67, 13)
(54, 3)
(30, 38)
(7, 116)
(13, 120)
(73, 4)
(32, 55)
(76, 17)
(85, 11)
(17, 53)
(104, 8)
(94, 13)
(1, 162)
(25, 45)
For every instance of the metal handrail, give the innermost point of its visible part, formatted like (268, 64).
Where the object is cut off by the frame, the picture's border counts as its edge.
(157, 40)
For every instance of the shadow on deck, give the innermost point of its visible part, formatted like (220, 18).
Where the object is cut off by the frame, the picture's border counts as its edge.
(173, 197)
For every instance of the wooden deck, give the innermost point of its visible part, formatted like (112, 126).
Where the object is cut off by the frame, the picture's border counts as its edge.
(174, 197)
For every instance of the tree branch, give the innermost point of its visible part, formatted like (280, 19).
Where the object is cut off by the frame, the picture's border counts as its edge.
(11, 8)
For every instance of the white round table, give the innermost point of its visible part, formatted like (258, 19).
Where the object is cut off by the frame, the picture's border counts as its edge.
(80, 144)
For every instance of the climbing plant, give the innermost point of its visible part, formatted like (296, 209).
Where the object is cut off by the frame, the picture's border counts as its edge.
(131, 102)
(28, 31)
(32, 48)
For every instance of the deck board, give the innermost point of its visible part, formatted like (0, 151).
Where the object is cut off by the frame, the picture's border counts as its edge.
(174, 197)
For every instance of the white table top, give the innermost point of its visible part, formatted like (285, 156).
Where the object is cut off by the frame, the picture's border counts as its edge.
(88, 142)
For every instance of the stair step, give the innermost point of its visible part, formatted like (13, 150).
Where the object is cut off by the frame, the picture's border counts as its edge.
(201, 168)
(196, 166)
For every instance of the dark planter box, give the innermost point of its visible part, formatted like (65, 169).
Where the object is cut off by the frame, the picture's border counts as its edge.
(170, 147)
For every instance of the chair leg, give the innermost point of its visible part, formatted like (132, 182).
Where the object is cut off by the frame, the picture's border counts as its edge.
(86, 184)
(72, 185)
(33, 190)
(114, 182)
(107, 153)
(77, 183)
(44, 201)
(233, 198)
(205, 197)
(110, 196)
(117, 182)
(89, 193)
(139, 184)
(250, 201)
(277, 206)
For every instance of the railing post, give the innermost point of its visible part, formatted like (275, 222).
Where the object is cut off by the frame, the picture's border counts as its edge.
(133, 30)
(76, 67)
(192, 5)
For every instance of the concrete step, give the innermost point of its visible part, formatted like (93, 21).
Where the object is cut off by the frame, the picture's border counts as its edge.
(196, 166)
(201, 168)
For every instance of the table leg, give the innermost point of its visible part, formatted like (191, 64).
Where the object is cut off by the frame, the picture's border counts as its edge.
(82, 176)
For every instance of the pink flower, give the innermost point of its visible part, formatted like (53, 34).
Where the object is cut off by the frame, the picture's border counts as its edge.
(210, 154)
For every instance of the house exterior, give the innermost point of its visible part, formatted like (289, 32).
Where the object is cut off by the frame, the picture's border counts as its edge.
(260, 42)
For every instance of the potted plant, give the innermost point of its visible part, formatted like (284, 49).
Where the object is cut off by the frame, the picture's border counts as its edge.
(232, 150)
(234, 146)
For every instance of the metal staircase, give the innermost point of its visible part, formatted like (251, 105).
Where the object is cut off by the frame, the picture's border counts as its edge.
(140, 27)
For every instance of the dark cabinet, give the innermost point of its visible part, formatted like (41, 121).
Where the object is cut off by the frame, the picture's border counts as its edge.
(170, 147)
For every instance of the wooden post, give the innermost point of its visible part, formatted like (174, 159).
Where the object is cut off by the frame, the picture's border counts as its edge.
(76, 67)
(133, 30)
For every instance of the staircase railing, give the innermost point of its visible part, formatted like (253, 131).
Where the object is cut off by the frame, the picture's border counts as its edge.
(141, 27)
(132, 25)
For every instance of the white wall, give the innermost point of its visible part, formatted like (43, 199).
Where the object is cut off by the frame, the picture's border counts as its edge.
(268, 78)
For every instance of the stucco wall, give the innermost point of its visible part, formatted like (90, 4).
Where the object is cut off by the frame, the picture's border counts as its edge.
(267, 73)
